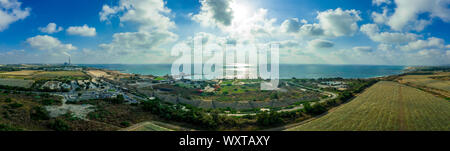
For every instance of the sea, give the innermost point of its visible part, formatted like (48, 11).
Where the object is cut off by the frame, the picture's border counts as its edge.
(286, 71)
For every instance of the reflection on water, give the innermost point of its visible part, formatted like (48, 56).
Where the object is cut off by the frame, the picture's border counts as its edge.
(287, 71)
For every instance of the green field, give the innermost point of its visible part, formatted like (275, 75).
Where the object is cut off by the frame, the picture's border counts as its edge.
(17, 83)
(386, 106)
(44, 75)
(75, 75)
(437, 81)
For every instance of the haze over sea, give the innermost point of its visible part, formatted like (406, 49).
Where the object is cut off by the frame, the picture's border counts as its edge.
(286, 70)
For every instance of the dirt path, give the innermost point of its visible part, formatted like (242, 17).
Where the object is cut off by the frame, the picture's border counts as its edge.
(401, 114)
(169, 127)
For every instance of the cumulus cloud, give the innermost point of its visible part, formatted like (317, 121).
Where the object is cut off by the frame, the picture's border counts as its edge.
(407, 14)
(10, 12)
(213, 12)
(332, 23)
(291, 25)
(84, 30)
(380, 18)
(50, 28)
(49, 43)
(320, 43)
(149, 14)
(339, 22)
(136, 42)
(431, 42)
(153, 23)
(373, 31)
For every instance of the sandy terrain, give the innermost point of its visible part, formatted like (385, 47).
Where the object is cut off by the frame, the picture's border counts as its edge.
(97, 73)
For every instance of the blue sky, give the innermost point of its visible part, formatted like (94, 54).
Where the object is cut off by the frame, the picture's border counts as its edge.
(387, 32)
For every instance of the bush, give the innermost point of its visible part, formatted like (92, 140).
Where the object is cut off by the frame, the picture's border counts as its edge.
(125, 123)
(4, 127)
(58, 125)
(50, 102)
(268, 119)
(8, 100)
(15, 105)
(39, 113)
(316, 109)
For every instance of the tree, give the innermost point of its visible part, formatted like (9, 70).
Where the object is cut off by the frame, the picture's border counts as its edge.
(268, 119)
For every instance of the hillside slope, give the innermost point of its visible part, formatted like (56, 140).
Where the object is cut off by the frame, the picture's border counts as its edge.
(386, 106)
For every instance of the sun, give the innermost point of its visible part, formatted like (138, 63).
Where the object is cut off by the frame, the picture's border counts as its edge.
(241, 11)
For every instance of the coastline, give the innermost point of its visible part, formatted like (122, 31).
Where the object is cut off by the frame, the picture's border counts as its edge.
(287, 71)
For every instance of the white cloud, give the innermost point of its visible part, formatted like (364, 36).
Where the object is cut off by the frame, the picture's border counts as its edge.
(380, 18)
(10, 12)
(291, 25)
(406, 14)
(320, 43)
(339, 22)
(50, 28)
(332, 23)
(215, 12)
(380, 2)
(153, 23)
(431, 42)
(84, 30)
(374, 33)
(49, 43)
(137, 42)
(107, 12)
(236, 18)
(149, 14)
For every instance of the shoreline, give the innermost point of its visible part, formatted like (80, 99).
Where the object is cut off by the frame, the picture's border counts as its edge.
(402, 71)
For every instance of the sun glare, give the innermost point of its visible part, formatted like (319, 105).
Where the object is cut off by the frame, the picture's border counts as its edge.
(241, 10)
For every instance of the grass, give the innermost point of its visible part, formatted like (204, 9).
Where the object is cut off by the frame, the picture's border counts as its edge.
(386, 106)
(56, 74)
(160, 78)
(43, 75)
(433, 81)
(17, 83)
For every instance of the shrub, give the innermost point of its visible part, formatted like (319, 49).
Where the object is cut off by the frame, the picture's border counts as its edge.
(7, 100)
(58, 125)
(39, 113)
(50, 102)
(268, 119)
(15, 105)
(316, 109)
(125, 123)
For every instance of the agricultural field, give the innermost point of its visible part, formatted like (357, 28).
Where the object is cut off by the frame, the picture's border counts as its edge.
(386, 106)
(438, 82)
(24, 74)
(43, 75)
(16, 83)
(56, 74)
